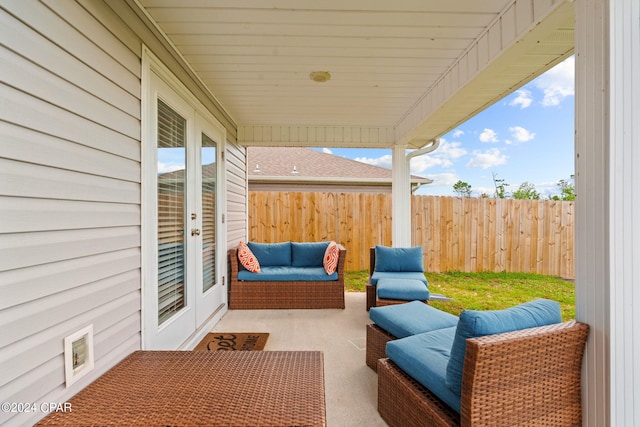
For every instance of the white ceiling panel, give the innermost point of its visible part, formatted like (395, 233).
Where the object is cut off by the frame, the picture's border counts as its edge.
(384, 56)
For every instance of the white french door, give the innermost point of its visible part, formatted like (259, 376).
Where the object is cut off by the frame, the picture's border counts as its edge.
(182, 283)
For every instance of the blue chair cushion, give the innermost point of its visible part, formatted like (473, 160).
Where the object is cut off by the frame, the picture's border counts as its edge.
(415, 317)
(398, 259)
(408, 275)
(271, 254)
(424, 358)
(308, 254)
(474, 324)
(288, 274)
(402, 289)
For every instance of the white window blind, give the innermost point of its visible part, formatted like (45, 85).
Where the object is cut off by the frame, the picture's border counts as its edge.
(171, 211)
(209, 173)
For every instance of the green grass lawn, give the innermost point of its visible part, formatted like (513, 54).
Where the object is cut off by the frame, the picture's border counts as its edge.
(487, 291)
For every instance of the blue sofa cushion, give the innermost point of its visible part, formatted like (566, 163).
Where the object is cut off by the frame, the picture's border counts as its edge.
(474, 324)
(399, 259)
(407, 275)
(308, 254)
(402, 289)
(424, 358)
(415, 317)
(271, 254)
(288, 274)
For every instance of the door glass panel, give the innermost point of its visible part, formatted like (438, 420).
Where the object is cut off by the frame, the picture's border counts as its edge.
(209, 173)
(171, 211)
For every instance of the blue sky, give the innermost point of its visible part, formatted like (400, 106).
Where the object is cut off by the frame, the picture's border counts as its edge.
(526, 137)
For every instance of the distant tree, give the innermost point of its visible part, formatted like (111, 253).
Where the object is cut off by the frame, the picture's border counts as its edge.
(567, 190)
(526, 191)
(501, 187)
(462, 189)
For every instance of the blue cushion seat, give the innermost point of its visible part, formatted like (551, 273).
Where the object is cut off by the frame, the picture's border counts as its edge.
(288, 274)
(406, 275)
(473, 323)
(415, 317)
(402, 289)
(424, 357)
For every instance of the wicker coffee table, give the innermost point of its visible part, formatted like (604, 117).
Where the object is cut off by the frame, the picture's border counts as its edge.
(192, 388)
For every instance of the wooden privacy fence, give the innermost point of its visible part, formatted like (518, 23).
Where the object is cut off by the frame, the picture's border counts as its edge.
(456, 234)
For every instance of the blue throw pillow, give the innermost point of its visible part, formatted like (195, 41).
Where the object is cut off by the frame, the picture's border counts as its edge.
(399, 259)
(271, 254)
(308, 254)
(473, 324)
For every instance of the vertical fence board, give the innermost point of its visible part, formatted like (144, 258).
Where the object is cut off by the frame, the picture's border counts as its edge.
(456, 234)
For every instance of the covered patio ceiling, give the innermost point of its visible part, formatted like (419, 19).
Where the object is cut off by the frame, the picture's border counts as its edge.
(402, 72)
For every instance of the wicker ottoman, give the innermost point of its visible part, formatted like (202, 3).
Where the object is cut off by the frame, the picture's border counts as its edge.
(201, 388)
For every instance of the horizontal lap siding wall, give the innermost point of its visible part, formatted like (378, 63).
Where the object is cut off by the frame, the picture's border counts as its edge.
(456, 234)
(70, 190)
(236, 217)
(69, 197)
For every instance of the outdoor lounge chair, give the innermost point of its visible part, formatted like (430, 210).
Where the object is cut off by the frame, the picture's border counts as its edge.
(529, 377)
(396, 276)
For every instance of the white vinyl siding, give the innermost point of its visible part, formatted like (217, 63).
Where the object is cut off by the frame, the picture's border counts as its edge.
(69, 198)
(70, 189)
(237, 195)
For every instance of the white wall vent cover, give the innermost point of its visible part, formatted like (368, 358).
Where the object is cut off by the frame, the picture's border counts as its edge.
(78, 354)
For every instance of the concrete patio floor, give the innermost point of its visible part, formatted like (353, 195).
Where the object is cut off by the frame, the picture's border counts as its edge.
(350, 386)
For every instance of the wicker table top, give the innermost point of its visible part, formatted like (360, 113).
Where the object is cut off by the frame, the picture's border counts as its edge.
(191, 388)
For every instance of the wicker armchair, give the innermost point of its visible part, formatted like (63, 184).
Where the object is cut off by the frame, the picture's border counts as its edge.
(527, 377)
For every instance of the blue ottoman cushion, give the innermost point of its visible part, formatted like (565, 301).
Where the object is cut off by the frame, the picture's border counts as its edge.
(402, 289)
(424, 357)
(415, 317)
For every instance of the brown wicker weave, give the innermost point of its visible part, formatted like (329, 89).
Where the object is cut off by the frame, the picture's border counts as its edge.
(524, 378)
(200, 388)
(377, 339)
(276, 295)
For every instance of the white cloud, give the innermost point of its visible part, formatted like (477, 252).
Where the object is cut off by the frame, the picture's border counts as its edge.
(450, 150)
(443, 179)
(487, 159)
(490, 191)
(458, 133)
(421, 163)
(547, 189)
(523, 99)
(383, 161)
(327, 151)
(557, 83)
(488, 135)
(443, 156)
(521, 134)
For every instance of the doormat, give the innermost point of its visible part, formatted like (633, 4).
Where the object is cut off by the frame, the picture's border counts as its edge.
(226, 341)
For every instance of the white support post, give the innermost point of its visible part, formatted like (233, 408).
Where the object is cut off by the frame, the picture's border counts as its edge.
(400, 198)
(607, 47)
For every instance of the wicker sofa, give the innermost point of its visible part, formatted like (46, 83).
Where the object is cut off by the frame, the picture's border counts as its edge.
(292, 287)
(527, 376)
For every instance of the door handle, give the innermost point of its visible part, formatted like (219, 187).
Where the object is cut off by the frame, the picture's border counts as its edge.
(195, 231)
